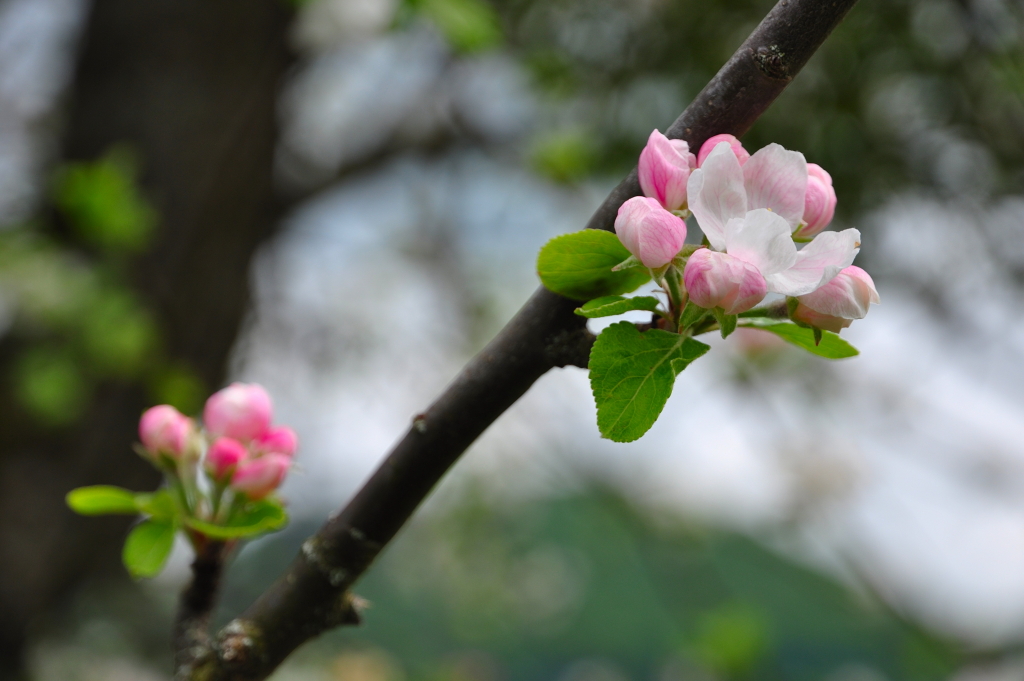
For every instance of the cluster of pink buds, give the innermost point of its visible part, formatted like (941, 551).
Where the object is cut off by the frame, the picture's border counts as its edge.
(754, 210)
(238, 446)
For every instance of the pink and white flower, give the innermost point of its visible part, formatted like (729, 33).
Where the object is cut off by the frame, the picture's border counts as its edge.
(256, 478)
(835, 305)
(664, 169)
(742, 155)
(732, 204)
(241, 411)
(223, 457)
(277, 440)
(165, 430)
(719, 280)
(650, 232)
(819, 202)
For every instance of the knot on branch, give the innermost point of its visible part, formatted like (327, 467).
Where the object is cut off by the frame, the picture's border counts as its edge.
(237, 645)
(772, 62)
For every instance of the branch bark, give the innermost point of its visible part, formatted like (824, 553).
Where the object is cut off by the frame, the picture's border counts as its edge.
(313, 595)
(195, 607)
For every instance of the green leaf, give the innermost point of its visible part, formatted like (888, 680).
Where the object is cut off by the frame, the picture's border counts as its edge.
(102, 500)
(631, 375)
(147, 547)
(692, 314)
(613, 305)
(726, 322)
(831, 346)
(579, 265)
(255, 517)
(160, 505)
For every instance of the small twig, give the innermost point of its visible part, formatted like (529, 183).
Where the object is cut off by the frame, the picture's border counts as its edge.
(192, 621)
(313, 594)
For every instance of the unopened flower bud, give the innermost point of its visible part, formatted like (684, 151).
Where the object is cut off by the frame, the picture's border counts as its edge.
(223, 457)
(278, 440)
(835, 305)
(650, 232)
(819, 202)
(256, 478)
(241, 411)
(165, 430)
(720, 280)
(664, 168)
(709, 146)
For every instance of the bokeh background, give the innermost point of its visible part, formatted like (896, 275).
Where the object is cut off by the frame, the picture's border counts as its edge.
(342, 200)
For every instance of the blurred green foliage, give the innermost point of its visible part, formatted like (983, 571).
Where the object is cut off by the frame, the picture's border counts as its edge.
(77, 314)
(529, 589)
(102, 201)
(468, 25)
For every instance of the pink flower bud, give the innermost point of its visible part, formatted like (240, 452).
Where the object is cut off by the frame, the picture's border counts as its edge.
(256, 478)
(819, 201)
(709, 146)
(279, 440)
(224, 456)
(241, 410)
(835, 305)
(650, 232)
(720, 280)
(165, 430)
(664, 168)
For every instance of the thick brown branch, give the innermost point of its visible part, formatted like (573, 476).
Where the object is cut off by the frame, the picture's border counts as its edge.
(312, 596)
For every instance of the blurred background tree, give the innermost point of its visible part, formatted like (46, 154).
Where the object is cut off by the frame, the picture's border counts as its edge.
(430, 146)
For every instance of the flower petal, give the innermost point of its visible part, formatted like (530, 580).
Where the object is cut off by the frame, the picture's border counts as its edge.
(762, 239)
(716, 193)
(776, 178)
(848, 295)
(817, 263)
(720, 280)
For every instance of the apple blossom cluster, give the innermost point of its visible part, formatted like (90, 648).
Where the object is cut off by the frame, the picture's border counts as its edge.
(754, 209)
(238, 447)
(219, 477)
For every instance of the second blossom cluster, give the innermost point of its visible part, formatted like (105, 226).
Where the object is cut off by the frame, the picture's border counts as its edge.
(753, 211)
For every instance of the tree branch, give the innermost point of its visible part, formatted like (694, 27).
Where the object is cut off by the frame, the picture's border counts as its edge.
(312, 596)
(192, 621)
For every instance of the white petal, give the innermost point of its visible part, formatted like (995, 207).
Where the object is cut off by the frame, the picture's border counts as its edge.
(716, 194)
(762, 239)
(777, 179)
(817, 263)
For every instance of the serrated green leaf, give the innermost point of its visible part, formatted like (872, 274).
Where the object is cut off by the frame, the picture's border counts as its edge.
(579, 266)
(613, 305)
(631, 375)
(102, 500)
(160, 504)
(831, 346)
(726, 322)
(255, 517)
(147, 547)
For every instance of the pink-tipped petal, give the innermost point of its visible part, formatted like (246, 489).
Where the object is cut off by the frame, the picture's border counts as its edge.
(720, 280)
(806, 315)
(817, 263)
(223, 457)
(847, 296)
(242, 411)
(664, 169)
(742, 155)
(165, 430)
(256, 478)
(650, 232)
(716, 194)
(776, 178)
(762, 239)
(819, 203)
(278, 440)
